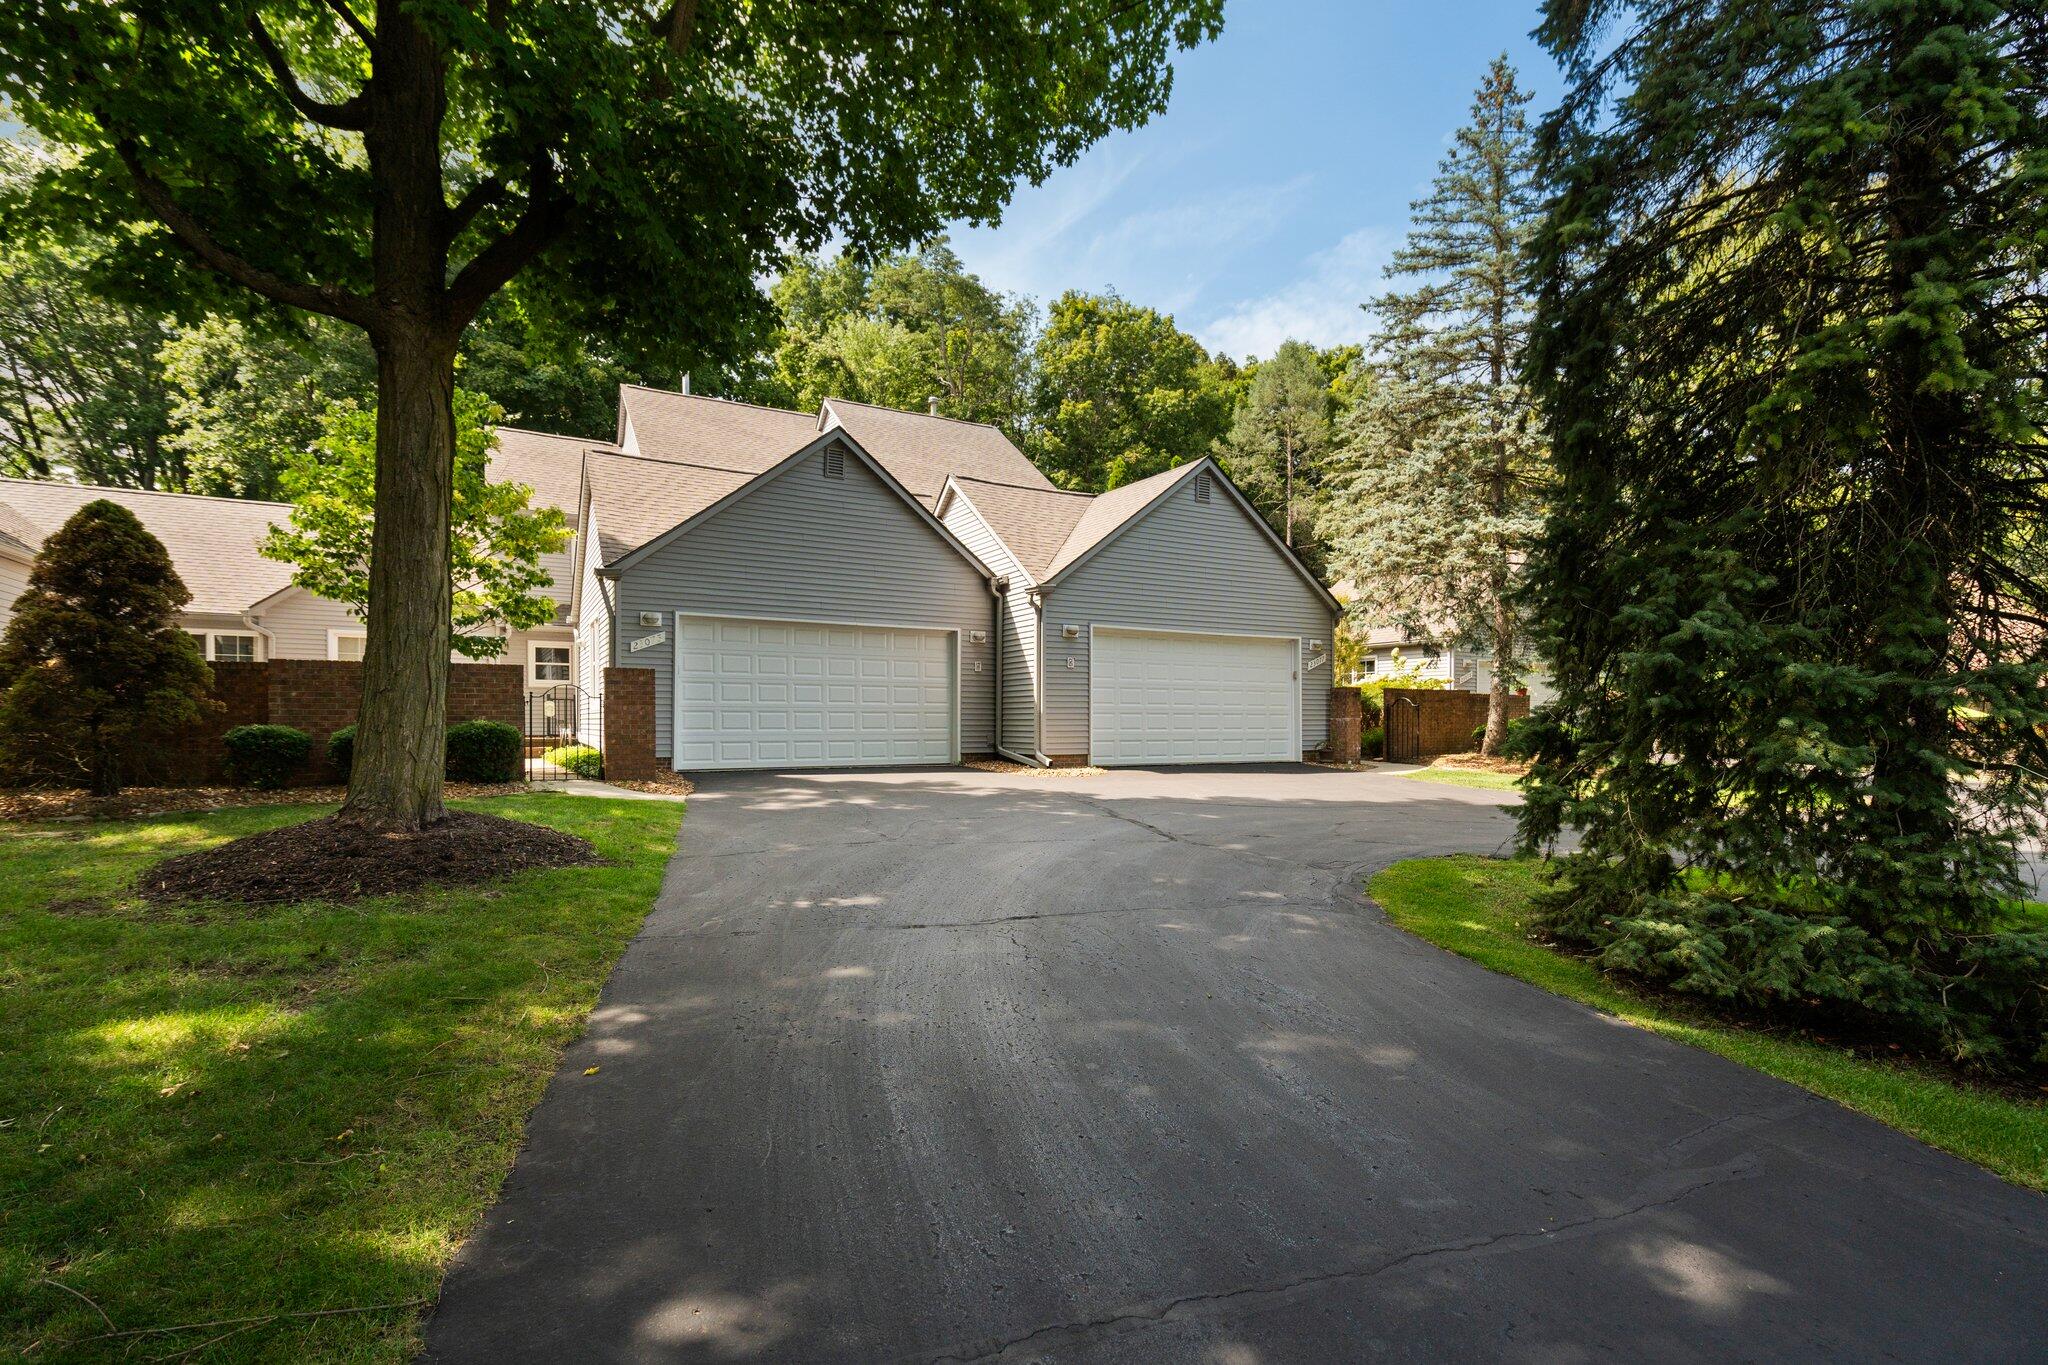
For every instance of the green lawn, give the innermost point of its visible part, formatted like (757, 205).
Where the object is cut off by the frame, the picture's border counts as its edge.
(276, 1123)
(1466, 777)
(1479, 908)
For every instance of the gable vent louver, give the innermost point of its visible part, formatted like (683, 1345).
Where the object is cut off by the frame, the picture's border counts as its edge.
(1201, 488)
(835, 462)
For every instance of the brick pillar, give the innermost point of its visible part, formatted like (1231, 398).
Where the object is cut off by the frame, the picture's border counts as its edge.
(1347, 711)
(629, 724)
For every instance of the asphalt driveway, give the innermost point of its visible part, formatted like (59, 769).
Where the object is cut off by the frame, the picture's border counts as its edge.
(952, 1066)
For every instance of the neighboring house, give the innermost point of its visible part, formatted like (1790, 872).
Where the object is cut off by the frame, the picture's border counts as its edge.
(862, 586)
(244, 607)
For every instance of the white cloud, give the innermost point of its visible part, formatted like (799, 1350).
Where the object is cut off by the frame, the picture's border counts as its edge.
(1320, 305)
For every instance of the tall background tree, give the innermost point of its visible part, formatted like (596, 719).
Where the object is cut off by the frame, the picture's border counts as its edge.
(636, 169)
(93, 666)
(1119, 393)
(1791, 349)
(900, 332)
(1445, 458)
(1280, 436)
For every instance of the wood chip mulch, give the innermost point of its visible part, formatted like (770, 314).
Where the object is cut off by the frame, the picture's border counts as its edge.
(61, 803)
(326, 860)
(667, 784)
(1481, 764)
(1003, 765)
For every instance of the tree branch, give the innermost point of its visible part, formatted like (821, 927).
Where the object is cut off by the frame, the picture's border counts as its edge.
(676, 25)
(352, 116)
(330, 299)
(542, 220)
(476, 199)
(355, 23)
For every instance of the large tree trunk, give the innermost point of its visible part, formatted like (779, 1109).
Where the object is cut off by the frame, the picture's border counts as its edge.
(1497, 692)
(401, 737)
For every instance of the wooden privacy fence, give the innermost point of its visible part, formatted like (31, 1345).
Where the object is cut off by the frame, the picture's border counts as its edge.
(1422, 724)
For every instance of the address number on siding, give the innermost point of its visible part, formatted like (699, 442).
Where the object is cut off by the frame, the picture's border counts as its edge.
(648, 642)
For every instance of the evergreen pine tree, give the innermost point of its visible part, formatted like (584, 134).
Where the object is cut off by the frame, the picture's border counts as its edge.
(93, 666)
(1790, 344)
(1446, 468)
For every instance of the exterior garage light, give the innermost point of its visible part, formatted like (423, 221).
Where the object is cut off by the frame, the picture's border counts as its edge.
(977, 637)
(1070, 632)
(650, 618)
(1315, 646)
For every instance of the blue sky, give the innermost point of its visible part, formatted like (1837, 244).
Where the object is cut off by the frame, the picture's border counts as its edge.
(1264, 202)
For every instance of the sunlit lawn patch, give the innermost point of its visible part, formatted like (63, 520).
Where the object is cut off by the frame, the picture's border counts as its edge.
(220, 1112)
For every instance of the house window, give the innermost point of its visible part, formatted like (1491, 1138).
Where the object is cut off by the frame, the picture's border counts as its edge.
(232, 649)
(548, 664)
(226, 646)
(345, 645)
(1371, 666)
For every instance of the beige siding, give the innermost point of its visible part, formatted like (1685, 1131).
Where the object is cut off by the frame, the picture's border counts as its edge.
(13, 581)
(1020, 625)
(1185, 565)
(805, 547)
(298, 623)
(593, 638)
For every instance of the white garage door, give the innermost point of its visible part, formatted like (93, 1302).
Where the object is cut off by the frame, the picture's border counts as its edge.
(1171, 698)
(770, 694)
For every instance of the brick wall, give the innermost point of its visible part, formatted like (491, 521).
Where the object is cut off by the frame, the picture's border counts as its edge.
(319, 696)
(629, 724)
(1422, 724)
(1347, 723)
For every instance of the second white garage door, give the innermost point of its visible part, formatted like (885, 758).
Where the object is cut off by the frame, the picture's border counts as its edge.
(770, 694)
(1159, 697)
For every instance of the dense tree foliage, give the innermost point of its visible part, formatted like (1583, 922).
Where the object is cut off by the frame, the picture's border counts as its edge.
(81, 386)
(93, 667)
(497, 536)
(1790, 341)
(1445, 462)
(900, 333)
(1280, 436)
(1119, 393)
(396, 165)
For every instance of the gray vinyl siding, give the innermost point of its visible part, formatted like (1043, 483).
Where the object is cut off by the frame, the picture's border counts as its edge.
(806, 547)
(1185, 565)
(1020, 626)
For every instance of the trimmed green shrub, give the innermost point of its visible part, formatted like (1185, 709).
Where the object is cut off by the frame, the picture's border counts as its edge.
(1372, 743)
(484, 751)
(341, 749)
(94, 671)
(265, 756)
(580, 759)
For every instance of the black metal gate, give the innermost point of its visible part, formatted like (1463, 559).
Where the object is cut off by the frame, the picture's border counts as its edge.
(554, 719)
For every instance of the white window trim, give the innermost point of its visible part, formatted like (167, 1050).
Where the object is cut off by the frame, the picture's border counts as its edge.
(207, 637)
(533, 678)
(336, 635)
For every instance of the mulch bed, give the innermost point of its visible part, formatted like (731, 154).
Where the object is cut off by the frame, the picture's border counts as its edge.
(1004, 765)
(326, 860)
(1480, 763)
(67, 803)
(662, 784)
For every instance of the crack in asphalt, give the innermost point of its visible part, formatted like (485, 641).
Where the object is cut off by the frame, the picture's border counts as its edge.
(1533, 1237)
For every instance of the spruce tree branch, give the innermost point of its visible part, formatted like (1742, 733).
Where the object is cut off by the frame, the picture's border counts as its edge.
(352, 115)
(329, 299)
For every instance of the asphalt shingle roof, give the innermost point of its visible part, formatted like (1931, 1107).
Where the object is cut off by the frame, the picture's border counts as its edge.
(637, 498)
(920, 450)
(1033, 522)
(212, 540)
(713, 431)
